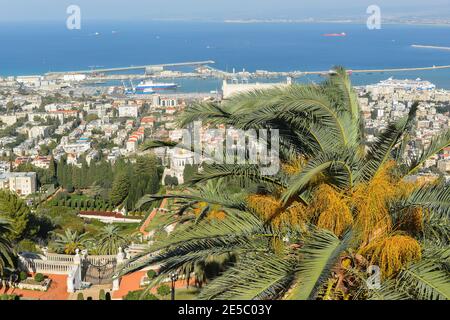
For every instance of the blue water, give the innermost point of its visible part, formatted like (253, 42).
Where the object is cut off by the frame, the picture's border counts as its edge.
(41, 47)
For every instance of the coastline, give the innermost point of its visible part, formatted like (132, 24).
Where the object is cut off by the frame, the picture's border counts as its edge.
(343, 22)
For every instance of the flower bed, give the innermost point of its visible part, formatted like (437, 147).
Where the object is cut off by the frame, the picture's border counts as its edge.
(31, 284)
(145, 281)
(108, 214)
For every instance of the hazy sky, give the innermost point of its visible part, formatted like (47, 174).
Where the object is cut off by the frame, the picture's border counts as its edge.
(23, 10)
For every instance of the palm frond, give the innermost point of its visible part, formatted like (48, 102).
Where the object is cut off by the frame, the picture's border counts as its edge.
(437, 145)
(436, 229)
(388, 291)
(339, 85)
(426, 281)
(7, 252)
(433, 197)
(153, 144)
(237, 230)
(259, 276)
(382, 149)
(239, 174)
(211, 113)
(318, 256)
(338, 168)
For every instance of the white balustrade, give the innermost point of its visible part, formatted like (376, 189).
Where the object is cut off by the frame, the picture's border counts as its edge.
(45, 266)
(71, 265)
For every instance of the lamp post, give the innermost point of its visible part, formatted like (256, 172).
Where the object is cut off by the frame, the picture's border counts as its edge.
(174, 278)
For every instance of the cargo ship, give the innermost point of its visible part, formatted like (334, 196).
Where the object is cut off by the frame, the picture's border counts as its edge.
(343, 34)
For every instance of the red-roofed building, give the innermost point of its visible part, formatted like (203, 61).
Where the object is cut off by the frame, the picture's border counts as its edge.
(148, 121)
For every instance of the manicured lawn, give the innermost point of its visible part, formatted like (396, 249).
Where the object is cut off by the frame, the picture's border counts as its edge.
(186, 294)
(160, 219)
(128, 228)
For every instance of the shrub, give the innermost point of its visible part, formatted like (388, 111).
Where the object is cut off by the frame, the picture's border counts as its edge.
(108, 296)
(4, 297)
(89, 298)
(62, 195)
(151, 274)
(80, 296)
(23, 276)
(26, 245)
(163, 290)
(69, 188)
(137, 295)
(39, 277)
(102, 295)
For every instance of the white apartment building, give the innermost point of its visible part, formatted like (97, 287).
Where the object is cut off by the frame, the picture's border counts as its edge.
(128, 111)
(30, 81)
(132, 145)
(164, 102)
(23, 183)
(37, 132)
(8, 120)
(4, 166)
(444, 165)
(46, 115)
(78, 148)
(74, 77)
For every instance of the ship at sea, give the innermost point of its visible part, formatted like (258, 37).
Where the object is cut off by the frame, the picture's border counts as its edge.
(343, 34)
(150, 87)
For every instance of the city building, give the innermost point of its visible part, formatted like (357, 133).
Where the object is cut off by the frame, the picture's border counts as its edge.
(179, 158)
(23, 183)
(128, 111)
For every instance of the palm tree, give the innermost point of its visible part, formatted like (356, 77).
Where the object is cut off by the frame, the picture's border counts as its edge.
(109, 240)
(338, 206)
(70, 241)
(6, 248)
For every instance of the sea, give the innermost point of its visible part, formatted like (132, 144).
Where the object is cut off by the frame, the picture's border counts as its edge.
(38, 47)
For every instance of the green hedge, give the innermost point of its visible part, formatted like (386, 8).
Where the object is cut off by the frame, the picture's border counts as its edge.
(137, 295)
(4, 297)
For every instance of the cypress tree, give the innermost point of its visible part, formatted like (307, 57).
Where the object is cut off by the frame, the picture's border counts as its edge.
(120, 188)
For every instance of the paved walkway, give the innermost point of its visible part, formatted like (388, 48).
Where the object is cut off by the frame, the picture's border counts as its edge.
(131, 282)
(93, 292)
(57, 191)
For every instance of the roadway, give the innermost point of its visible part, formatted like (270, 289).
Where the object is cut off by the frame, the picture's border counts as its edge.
(145, 67)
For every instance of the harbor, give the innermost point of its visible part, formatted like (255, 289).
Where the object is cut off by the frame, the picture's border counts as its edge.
(187, 78)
